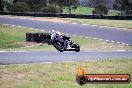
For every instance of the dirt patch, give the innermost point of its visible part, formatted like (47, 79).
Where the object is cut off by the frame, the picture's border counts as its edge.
(52, 20)
(20, 76)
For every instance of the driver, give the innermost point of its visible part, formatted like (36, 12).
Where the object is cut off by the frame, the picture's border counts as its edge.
(59, 36)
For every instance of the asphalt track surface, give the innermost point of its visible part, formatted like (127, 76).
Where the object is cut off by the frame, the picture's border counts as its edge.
(111, 34)
(23, 57)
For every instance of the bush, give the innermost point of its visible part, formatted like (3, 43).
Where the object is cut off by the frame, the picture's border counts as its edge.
(50, 9)
(37, 7)
(100, 9)
(20, 7)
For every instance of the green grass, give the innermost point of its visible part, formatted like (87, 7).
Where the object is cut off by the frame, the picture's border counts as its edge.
(113, 13)
(13, 38)
(103, 22)
(88, 11)
(38, 47)
(61, 75)
(81, 10)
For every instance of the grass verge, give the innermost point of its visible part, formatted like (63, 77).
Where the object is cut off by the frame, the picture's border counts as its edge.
(61, 75)
(13, 38)
(88, 11)
(103, 22)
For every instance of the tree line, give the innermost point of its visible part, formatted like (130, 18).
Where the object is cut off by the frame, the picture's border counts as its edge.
(58, 6)
(47, 6)
(102, 6)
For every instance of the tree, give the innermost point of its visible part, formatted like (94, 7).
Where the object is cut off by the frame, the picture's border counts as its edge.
(1, 6)
(35, 5)
(100, 9)
(20, 7)
(94, 3)
(50, 9)
(70, 4)
(5, 4)
(31, 1)
(121, 5)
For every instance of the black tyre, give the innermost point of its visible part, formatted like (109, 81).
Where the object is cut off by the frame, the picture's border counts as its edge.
(77, 48)
(59, 46)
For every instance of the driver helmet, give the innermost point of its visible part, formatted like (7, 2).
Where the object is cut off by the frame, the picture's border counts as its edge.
(58, 33)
